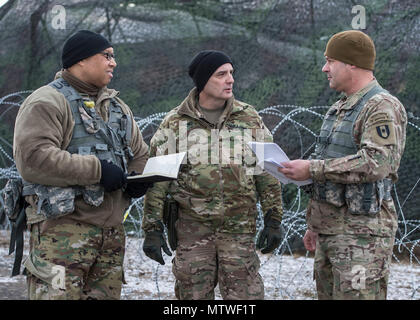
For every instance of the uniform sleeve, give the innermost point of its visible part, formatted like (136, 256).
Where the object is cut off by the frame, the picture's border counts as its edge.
(155, 197)
(44, 125)
(269, 188)
(381, 131)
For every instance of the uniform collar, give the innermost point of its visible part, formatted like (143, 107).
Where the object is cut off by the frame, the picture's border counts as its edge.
(99, 95)
(190, 108)
(348, 102)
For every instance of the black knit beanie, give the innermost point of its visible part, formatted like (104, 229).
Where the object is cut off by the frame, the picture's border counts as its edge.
(204, 64)
(81, 45)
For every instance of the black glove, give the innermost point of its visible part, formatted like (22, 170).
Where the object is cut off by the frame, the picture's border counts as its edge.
(112, 178)
(271, 233)
(137, 189)
(152, 245)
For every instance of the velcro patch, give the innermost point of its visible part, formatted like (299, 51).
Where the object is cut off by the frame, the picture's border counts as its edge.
(382, 133)
(381, 129)
(380, 118)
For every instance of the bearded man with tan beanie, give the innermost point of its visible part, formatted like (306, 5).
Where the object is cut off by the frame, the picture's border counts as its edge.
(351, 215)
(75, 142)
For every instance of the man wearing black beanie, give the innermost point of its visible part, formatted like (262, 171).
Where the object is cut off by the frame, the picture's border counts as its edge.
(81, 45)
(215, 196)
(74, 145)
(204, 64)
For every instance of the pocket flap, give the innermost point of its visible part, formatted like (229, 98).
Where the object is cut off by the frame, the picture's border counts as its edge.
(46, 271)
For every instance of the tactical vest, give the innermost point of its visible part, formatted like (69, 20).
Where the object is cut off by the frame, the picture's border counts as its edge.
(360, 198)
(91, 136)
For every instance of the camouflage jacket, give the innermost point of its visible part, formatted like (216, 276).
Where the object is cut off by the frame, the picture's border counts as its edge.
(216, 185)
(378, 157)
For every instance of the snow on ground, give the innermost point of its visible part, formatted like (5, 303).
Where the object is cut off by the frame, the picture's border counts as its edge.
(285, 277)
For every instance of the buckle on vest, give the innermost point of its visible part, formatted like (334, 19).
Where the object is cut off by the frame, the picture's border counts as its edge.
(101, 147)
(84, 150)
(129, 153)
(322, 140)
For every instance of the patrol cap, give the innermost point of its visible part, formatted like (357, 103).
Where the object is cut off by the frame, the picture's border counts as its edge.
(81, 45)
(352, 47)
(204, 64)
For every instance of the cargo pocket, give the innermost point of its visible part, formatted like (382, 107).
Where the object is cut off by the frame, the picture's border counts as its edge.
(52, 274)
(241, 280)
(179, 272)
(253, 266)
(194, 280)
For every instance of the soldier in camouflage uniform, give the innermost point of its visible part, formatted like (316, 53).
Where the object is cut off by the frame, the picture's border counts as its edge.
(351, 216)
(216, 190)
(75, 142)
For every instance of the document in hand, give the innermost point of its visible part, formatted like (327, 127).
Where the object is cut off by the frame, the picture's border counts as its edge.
(270, 156)
(160, 168)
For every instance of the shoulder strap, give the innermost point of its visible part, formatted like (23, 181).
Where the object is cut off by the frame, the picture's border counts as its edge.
(360, 104)
(66, 89)
(17, 241)
(362, 101)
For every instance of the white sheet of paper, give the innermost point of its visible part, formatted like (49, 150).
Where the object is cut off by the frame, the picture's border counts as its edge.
(167, 165)
(160, 168)
(270, 156)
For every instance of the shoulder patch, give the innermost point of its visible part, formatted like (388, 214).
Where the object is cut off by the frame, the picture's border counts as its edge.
(383, 131)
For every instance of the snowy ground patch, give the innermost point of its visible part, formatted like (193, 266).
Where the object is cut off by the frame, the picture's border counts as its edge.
(285, 277)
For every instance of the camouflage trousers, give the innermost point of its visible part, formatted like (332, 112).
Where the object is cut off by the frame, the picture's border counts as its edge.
(352, 267)
(75, 261)
(205, 258)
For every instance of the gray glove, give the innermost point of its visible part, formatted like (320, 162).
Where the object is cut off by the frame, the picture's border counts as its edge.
(271, 234)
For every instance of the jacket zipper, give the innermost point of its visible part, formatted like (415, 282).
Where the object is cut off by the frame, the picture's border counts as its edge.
(209, 126)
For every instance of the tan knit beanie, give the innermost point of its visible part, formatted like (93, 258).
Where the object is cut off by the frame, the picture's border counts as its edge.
(352, 47)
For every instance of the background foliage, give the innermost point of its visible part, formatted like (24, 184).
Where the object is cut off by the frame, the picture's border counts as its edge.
(277, 47)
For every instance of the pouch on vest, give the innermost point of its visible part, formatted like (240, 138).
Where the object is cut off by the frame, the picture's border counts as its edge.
(366, 198)
(14, 202)
(93, 194)
(54, 202)
(329, 192)
(14, 207)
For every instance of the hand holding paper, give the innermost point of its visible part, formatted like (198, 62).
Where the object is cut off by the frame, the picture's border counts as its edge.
(296, 169)
(272, 159)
